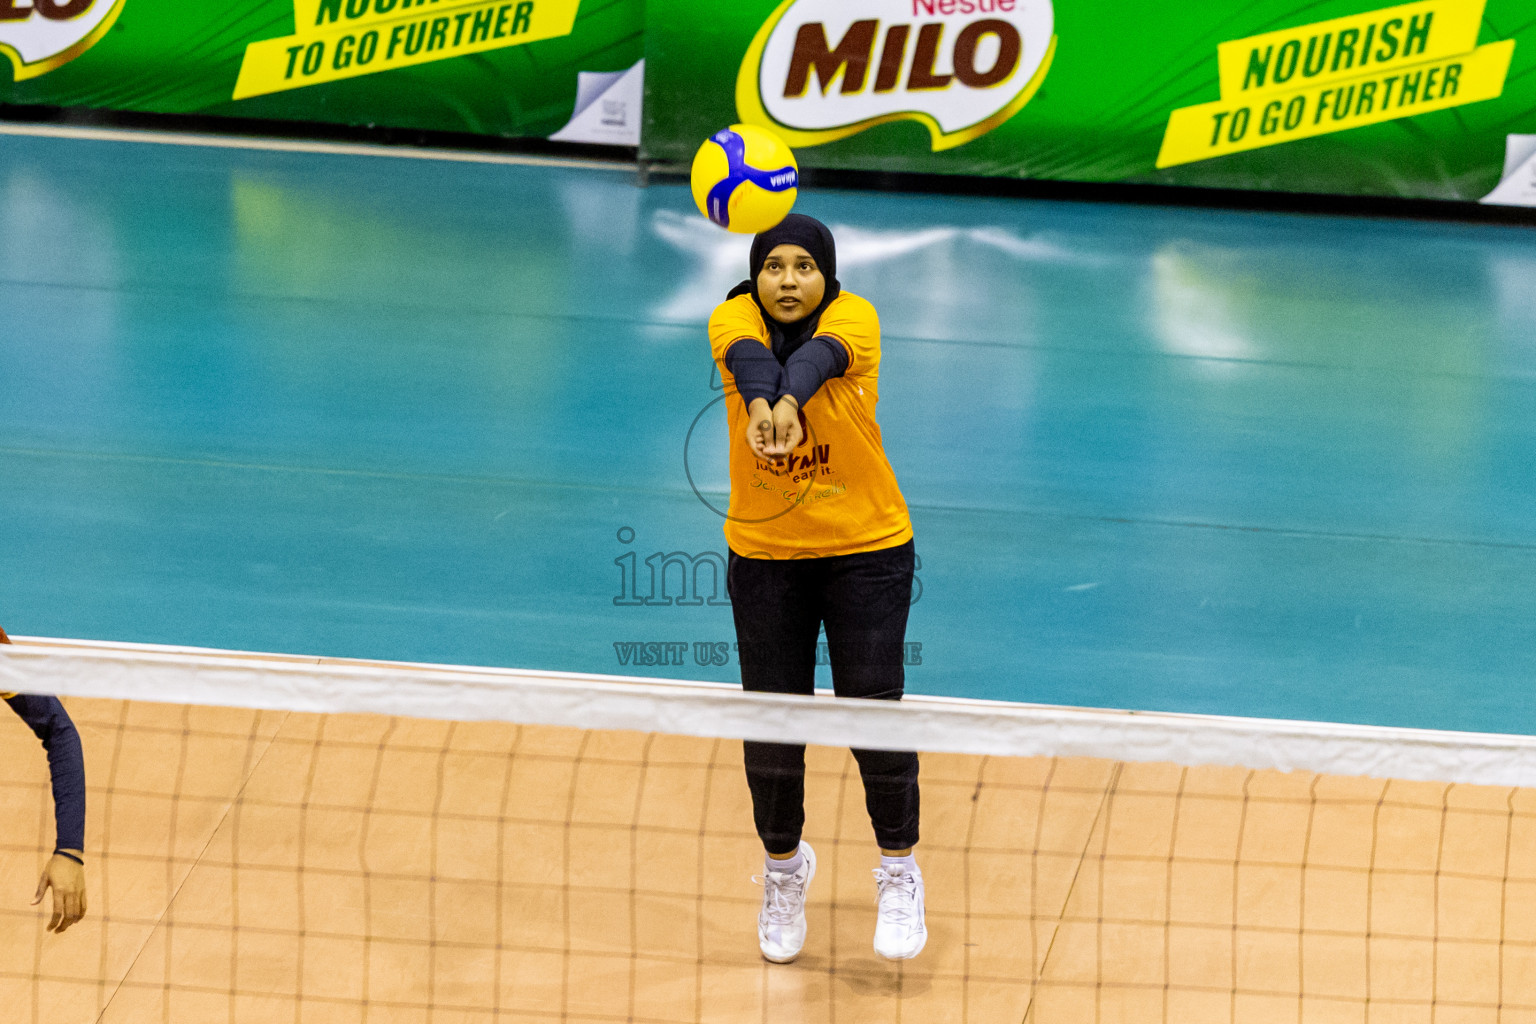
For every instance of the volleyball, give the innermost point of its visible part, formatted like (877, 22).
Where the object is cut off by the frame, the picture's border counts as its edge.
(745, 179)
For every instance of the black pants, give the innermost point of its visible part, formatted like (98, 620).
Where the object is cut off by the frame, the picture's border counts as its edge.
(779, 607)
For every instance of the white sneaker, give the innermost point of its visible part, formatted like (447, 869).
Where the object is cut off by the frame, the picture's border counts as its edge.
(900, 931)
(781, 922)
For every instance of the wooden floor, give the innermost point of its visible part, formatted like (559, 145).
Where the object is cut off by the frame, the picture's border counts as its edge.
(260, 867)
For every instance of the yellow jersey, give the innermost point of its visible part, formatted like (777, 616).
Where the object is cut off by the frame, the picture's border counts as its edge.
(836, 493)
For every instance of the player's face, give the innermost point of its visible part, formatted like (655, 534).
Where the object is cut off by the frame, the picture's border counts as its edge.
(790, 285)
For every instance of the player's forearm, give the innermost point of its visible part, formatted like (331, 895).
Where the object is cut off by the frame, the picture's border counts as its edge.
(66, 764)
(757, 373)
(812, 365)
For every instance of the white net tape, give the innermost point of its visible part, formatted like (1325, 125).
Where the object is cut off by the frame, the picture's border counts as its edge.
(933, 724)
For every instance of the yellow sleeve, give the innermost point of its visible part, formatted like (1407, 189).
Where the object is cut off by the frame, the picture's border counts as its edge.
(853, 321)
(732, 320)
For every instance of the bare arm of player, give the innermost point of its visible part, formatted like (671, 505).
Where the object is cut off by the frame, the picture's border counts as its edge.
(787, 434)
(760, 429)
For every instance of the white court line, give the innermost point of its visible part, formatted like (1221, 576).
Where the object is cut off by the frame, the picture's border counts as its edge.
(184, 675)
(301, 146)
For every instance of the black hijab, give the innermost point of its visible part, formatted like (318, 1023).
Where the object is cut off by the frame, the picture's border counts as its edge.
(812, 236)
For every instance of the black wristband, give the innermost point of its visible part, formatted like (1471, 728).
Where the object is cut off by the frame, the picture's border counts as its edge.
(66, 853)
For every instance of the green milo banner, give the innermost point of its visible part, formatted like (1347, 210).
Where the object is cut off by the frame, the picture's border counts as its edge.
(1432, 99)
(568, 69)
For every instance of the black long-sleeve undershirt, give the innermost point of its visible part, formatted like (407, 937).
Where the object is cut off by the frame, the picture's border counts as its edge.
(759, 374)
(66, 764)
(811, 366)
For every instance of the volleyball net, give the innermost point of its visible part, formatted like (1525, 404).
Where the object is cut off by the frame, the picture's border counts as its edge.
(288, 839)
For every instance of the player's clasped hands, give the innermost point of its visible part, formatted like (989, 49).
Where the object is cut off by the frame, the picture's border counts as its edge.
(773, 431)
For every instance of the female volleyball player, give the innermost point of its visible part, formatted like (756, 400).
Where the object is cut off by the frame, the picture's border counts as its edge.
(819, 536)
(65, 871)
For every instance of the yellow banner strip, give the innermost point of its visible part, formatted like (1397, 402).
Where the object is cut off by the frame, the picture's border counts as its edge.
(292, 62)
(1232, 126)
(1344, 48)
(313, 16)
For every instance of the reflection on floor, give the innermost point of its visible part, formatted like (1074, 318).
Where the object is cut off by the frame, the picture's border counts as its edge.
(259, 867)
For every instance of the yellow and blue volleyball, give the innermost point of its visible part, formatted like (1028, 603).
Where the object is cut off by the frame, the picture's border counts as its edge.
(745, 179)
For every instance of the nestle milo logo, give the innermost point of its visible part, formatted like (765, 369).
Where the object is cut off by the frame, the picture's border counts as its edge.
(40, 35)
(821, 70)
